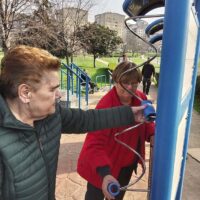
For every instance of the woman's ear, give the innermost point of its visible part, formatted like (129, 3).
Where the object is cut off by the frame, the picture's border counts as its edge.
(24, 93)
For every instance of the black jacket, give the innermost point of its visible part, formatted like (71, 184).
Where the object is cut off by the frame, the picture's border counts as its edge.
(148, 70)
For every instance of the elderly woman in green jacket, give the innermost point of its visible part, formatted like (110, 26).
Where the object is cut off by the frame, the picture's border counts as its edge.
(31, 123)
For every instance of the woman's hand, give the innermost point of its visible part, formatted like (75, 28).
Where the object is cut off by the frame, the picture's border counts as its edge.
(139, 113)
(106, 180)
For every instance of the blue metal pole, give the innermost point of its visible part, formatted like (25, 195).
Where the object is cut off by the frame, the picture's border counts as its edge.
(77, 83)
(72, 82)
(68, 86)
(86, 90)
(179, 193)
(169, 97)
(79, 92)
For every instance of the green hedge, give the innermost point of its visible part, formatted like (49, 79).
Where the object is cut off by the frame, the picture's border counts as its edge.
(197, 91)
(197, 95)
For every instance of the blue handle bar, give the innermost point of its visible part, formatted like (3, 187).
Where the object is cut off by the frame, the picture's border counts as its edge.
(149, 111)
(113, 189)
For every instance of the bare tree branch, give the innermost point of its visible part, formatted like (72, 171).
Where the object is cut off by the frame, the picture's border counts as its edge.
(10, 11)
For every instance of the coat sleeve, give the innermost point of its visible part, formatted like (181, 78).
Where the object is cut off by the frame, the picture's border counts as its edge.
(153, 70)
(94, 150)
(149, 130)
(79, 121)
(93, 154)
(143, 71)
(1, 178)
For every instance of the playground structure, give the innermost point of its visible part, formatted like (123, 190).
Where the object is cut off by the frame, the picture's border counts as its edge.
(179, 63)
(179, 58)
(76, 85)
(71, 79)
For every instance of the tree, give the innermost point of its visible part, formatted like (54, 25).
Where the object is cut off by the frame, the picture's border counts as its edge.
(11, 13)
(98, 40)
(52, 25)
(37, 28)
(70, 16)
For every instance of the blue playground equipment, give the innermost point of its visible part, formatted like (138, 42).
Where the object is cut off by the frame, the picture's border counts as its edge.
(101, 79)
(155, 31)
(141, 7)
(178, 72)
(154, 27)
(156, 38)
(71, 81)
(76, 83)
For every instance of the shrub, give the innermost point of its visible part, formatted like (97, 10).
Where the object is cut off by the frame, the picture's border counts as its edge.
(197, 90)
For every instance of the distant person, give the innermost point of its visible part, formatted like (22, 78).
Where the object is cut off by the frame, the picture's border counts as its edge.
(147, 71)
(92, 86)
(124, 58)
(32, 120)
(103, 160)
(84, 76)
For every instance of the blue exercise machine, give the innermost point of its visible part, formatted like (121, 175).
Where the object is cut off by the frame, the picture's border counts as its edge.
(179, 64)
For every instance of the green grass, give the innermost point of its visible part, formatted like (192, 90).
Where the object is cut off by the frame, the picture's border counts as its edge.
(1, 55)
(86, 62)
(113, 61)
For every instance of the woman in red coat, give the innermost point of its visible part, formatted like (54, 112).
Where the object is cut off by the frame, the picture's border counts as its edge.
(103, 160)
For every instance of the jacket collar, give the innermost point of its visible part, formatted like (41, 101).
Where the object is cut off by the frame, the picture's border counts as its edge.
(7, 119)
(117, 100)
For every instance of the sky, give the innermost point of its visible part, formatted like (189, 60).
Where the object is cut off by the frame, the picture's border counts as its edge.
(106, 6)
(116, 7)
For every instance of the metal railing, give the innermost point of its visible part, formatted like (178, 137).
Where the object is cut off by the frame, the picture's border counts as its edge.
(71, 79)
(101, 79)
(110, 78)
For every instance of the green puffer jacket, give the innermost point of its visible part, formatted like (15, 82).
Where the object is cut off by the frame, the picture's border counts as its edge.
(28, 156)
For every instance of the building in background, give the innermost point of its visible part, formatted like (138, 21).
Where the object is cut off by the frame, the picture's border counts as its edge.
(133, 43)
(72, 18)
(113, 21)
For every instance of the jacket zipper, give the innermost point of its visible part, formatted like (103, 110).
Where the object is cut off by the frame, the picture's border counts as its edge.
(43, 157)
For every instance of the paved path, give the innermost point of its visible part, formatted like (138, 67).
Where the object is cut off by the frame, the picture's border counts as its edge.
(102, 61)
(70, 186)
(191, 184)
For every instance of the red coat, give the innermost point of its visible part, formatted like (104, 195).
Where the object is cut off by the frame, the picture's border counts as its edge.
(100, 148)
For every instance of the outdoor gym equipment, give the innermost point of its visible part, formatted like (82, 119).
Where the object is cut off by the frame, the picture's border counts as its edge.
(180, 55)
(149, 111)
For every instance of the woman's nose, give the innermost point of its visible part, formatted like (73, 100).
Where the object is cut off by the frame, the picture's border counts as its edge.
(129, 87)
(58, 94)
